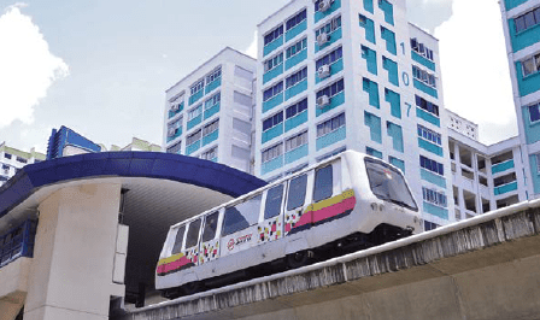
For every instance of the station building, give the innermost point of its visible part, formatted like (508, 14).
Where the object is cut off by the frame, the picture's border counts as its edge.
(13, 159)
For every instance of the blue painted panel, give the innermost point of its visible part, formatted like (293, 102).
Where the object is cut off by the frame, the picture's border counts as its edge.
(390, 39)
(528, 84)
(431, 147)
(372, 89)
(535, 173)
(398, 163)
(369, 27)
(272, 165)
(334, 36)
(272, 103)
(212, 85)
(196, 97)
(392, 69)
(301, 27)
(532, 130)
(422, 60)
(433, 178)
(273, 73)
(272, 133)
(503, 166)
(425, 88)
(422, 114)
(374, 153)
(273, 45)
(395, 102)
(368, 6)
(320, 15)
(335, 101)
(505, 188)
(296, 154)
(435, 210)
(335, 68)
(210, 138)
(525, 38)
(193, 122)
(331, 138)
(297, 120)
(511, 4)
(388, 10)
(371, 59)
(374, 124)
(193, 147)
(212, 111)
(296, 59)
(396, 133)
(296, 89)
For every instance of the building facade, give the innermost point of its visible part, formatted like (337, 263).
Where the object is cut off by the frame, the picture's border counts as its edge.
(208, 114)
(340, 74)
(521, 23)
(12, 159)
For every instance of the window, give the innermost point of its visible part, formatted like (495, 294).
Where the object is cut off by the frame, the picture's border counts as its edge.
(431, 165)
(175, 148)
(297, 192)
(273, 35)
(210, 128)
(273, 121)
(421, 49)
(7, 155)
(318, 2)
(323, 184)
(192, 237)
(329, 27)
(296, 77)
(241, 216)
(534, 112)
(429, 135)
(296, 108)
(296, 141)
(197, 87)
(214, 100)
(538, 162)
(296, 48)
(214, 75)
(424, 76)
(273, 91)
(272, 153)
(428, 106)
(274, 198)
(329, 58)
(531, 65)
(22, 160)
(5, 167)
(296, 20)
(434, 197)
(210, 227)
(174, 127)
(273, 62)
(330, 125)
(332, 89)
(210, 154)
(177, 248)
(195, 112)
(527, 20)
(430, 225)
(193, 138)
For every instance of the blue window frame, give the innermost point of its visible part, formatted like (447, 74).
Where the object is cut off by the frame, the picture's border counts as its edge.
(431, 165)
(531, 65)
(273, 91)
(424, 76)
(430, 225)
(214, 75)
(534, 112)
(421, 49)
(197, 86)
(329, 58)
(273, 35)
(429, 135)
(434, 197)
(273, 121)
(296, 108)
(330, 125)
(296, 77)
(296, 20)
(329, 27)
(332, 89)
(296, 48)
(527, 20)
(273, 62)
(426, 105)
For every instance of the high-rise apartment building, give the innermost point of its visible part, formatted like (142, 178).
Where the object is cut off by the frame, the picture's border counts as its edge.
(521, 23)
(341, 74)
(12, 159)
(208, 114)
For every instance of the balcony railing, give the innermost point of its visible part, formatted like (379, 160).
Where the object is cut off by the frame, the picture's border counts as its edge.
(18, 242)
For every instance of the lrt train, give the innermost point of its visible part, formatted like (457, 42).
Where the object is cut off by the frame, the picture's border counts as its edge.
(345, 203)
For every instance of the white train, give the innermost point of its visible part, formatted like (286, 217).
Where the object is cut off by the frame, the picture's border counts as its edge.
(349, 201)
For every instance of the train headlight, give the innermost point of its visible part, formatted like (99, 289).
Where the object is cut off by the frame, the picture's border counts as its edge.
(381, 207)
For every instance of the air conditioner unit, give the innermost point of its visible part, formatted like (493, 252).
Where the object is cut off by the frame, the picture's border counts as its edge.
(322, 39)
(324, 71)
(171, 131)
(324, 5)
(175, 107)
(323, 101)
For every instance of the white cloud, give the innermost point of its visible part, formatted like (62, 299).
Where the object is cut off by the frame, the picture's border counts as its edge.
(475, 70)
(253, 47)
(27, 66)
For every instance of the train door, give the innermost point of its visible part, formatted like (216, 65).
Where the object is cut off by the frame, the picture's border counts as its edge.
(191, 243)
(209, 249)
(297, 218)
(271, 225)
(240, 222)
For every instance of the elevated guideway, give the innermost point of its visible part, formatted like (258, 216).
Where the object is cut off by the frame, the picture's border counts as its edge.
(487, 267)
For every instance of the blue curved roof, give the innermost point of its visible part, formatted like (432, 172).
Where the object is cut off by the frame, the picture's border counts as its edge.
(167, 166)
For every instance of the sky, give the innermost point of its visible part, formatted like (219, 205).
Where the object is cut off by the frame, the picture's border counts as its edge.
(101, 67)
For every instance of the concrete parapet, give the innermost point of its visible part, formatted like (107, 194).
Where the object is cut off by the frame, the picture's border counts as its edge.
(482, 268)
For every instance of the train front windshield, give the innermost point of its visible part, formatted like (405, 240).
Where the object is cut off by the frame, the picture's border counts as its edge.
(388, 184)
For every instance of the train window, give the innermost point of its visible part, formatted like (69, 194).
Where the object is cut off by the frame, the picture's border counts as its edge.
(274, 197)
(323, 184)
(241, 216)
(193, 233)
(177, 248)
(210, 227)
(297, 192)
